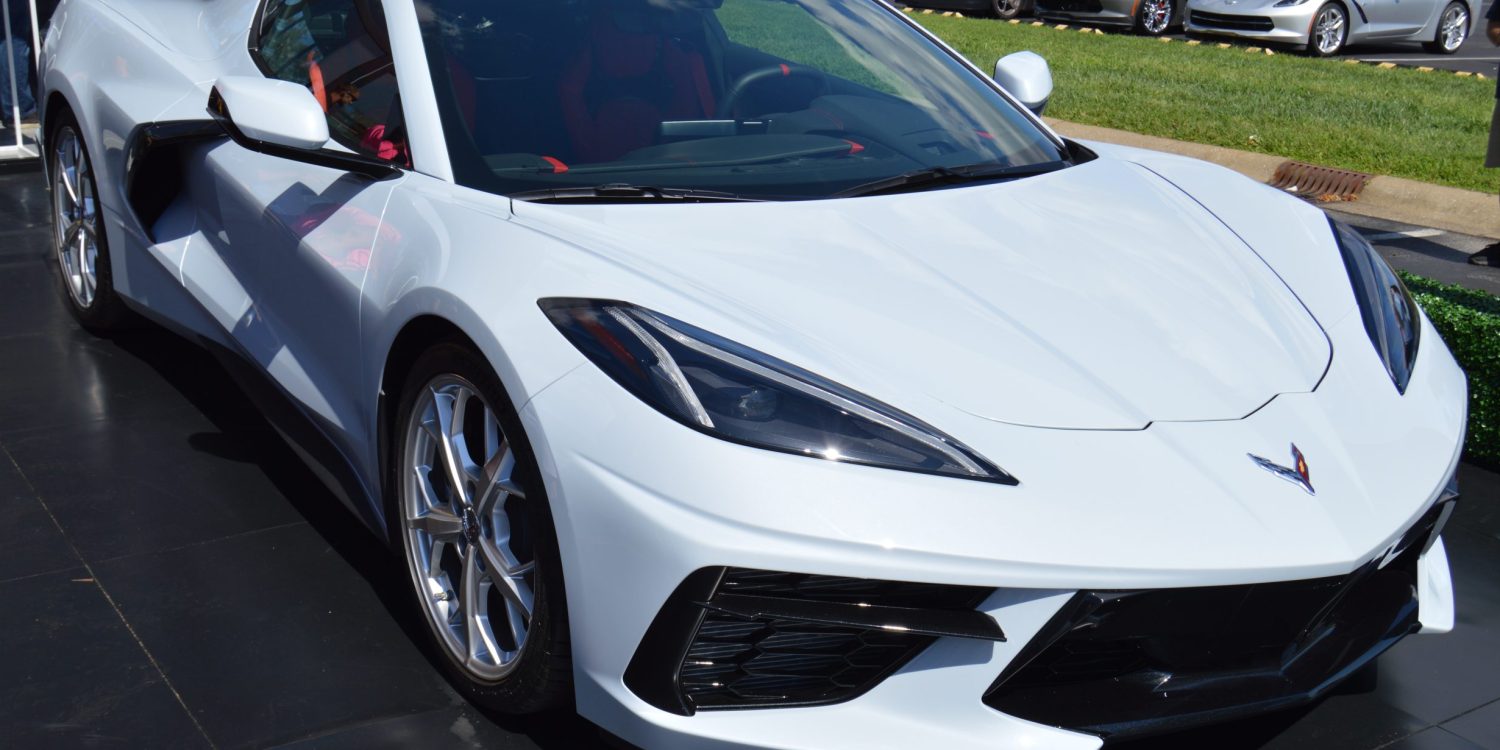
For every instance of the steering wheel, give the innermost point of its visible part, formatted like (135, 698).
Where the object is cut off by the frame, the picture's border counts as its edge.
(737, 91)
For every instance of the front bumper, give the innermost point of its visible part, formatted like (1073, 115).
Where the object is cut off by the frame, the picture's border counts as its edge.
(641, 503)
(1099, 12)
(1289, 25)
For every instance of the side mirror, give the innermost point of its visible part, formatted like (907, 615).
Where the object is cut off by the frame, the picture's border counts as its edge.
(281, 118)
(1026, 76)
(278, 113)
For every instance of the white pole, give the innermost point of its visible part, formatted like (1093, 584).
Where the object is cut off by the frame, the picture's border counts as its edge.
(10, 64)
(36, 57)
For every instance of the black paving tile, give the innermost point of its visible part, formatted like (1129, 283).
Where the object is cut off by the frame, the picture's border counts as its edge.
(1341, 721)
(1480, 726)
(73, 677)
(1438, 677)
(273, 636)
(454, 728)
(32, 542)
(1479, 506)
(32, 293)
(144, 485)
(1435, 739)
(25, 205)
(68, 377)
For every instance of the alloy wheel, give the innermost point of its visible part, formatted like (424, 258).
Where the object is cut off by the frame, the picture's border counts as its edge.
(1454, 28)
(1156, 15)
(1006, 8)
(76, 218)
(1328, 29)
(467, 545)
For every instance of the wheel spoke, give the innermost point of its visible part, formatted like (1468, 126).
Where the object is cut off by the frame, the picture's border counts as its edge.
(435, 559)
(439, 521)
(442, 404)
(518, 621)
(85, 276)
(460, 469)
(469, 603)
(67, 173)
(508, 575)
(70, 234)
(501, 482)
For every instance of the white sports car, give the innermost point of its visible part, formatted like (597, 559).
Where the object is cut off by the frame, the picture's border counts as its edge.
(759, 373)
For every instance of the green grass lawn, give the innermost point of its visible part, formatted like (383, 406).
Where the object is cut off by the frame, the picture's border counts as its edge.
(1425, 126)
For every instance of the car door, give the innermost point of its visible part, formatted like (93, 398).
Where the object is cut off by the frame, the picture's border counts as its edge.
(288, 242)
(1394, 18)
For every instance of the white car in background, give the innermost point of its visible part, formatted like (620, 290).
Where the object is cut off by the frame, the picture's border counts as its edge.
(759, 373)
(1325, 27)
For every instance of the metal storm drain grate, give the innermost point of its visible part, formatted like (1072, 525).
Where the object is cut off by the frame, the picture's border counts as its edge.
(1319, 183)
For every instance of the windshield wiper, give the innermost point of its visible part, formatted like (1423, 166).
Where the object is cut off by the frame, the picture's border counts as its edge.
(923, 179)
(619, 191)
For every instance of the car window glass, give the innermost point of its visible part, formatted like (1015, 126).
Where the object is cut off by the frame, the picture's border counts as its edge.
(771, 99)
(339, 50)
(778, 29)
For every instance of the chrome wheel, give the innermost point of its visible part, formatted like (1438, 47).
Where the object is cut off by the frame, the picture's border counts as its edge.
(1156, 15)
(1328, 29)
(75, 217)
(1453, 29)
(467, 543)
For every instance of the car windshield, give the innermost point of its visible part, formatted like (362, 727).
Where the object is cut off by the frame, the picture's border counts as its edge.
(762, 99)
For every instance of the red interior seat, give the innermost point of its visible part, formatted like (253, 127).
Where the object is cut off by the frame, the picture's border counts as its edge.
(625, 82)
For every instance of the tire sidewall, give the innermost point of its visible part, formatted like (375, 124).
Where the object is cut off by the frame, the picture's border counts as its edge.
(534, 685)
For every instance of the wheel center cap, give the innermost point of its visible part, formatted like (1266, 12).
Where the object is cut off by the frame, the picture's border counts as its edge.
(471, 526)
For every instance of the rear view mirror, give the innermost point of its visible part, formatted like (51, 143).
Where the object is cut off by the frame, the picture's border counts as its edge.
(280, 118)
(1026, 76)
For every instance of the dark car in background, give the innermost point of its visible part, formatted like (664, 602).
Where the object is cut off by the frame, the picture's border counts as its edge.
(1146, 17)
(999, 8)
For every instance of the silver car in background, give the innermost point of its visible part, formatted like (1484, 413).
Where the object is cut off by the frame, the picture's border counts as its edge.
(1324, 27)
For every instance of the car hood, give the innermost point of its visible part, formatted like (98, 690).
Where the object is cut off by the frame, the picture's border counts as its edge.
(1096, 297)
(1240, 7)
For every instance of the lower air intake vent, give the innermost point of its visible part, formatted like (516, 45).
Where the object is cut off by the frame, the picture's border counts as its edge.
(1132, 663)
(737, 638)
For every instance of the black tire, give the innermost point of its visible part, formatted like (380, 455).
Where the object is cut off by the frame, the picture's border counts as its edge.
(1008, 9)
(1155, 17)
(100, 311)
(541, 677)
(1455, 14)
(1335, 45)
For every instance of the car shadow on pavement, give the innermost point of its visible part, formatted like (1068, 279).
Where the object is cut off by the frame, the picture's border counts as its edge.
(244, 436)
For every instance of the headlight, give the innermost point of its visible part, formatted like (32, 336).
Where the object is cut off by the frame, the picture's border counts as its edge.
(1288, 3)
(735, 393)
(1390, 315)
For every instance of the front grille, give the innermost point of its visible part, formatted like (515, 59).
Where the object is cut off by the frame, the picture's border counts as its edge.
(737, 662)
(1133, 663)
(1235, 23)
(1069, 6)
(738, 638)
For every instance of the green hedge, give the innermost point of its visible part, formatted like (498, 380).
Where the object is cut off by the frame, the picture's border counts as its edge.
(1469, 321)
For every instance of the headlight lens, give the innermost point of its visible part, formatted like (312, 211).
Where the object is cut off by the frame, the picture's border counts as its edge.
(1289, 3)
(738, 394)
(1391, 316)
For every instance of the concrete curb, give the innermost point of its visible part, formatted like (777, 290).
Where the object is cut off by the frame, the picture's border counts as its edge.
(1392, 198)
